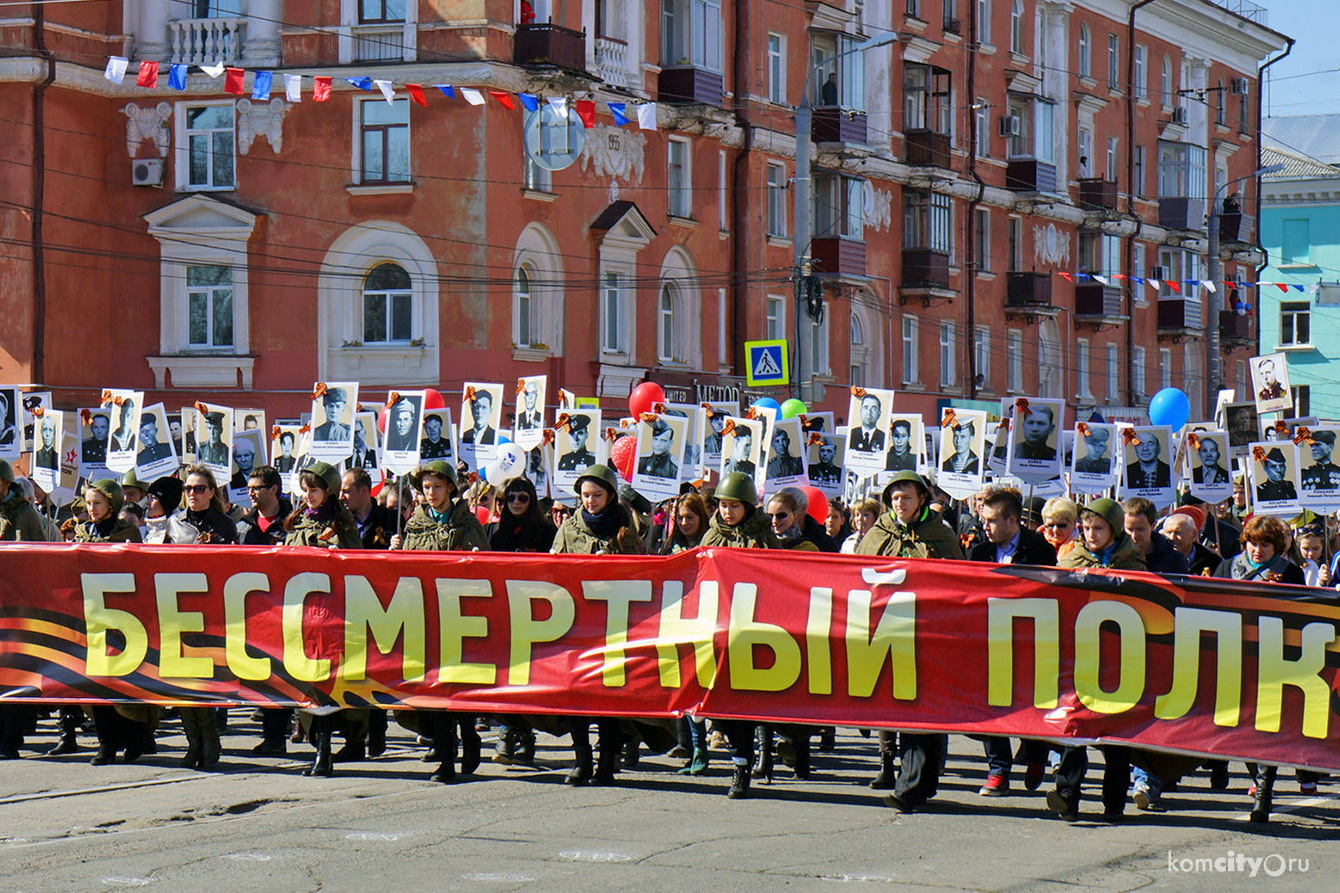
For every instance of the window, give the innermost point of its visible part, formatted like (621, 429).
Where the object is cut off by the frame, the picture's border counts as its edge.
(1113, 158)
(384, 141)
(1182, 170)
(205, 157)
(1295, 323)
(209, 296)
(1165, 367)
(1166, 82)
(721, 191)
(981, 234)
(1138, 373)
(1296, 240)
(1113, 388)
(679, 197)
(1140, 88)
(1016, 243)
(666, 350)
(1244, 114)
(679, 311)
(613, 339)
(839, 206)
(1113, 62)
(927, 98)
(691, 33)
(1085, 153)
(927, 221)
(1302, 399)
(775, 327)
(1099, 253)
(1014, 361)
(948, 362)
(777, 200)
(1139, 186)
(856, 365)
(537, 298)
(1220, 106)
(375, 30)
(983, 21)
(525, 307)
(982, 111)
(1082, 368)
(1017, 27)
(836, 58)
(387, 302)
(911, 370)
(981, 348)
(819, 344)
(777, 68)
(1085, 54)
(914, 8)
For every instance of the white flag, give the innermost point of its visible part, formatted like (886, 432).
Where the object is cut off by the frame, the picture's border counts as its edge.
(293, 87)
(646, 116)
(214, 71)
(474, 97)
(116, 69)
(1101, 280)
(1153, 283)
(387, 91)
(1209, 284)
(560, 106)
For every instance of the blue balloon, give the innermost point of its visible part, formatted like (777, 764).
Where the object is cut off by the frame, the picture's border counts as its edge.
(768, 403)
(1170, 407)
(483, 474)
(503, 438)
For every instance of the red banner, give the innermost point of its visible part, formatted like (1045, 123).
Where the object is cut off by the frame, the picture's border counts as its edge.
(1194, 666)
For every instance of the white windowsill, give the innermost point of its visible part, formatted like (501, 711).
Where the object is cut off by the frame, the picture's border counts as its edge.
(538, 195)
(1295, 348)
(380, 189)
(675, 220)
(202, 371)
(531, 354)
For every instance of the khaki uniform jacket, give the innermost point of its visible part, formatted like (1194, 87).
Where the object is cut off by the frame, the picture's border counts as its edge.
(575, 538)
(122, 532)
(460, 531)
(1127, 557)
(928, 538)
(305, 531)
(754, 532)
(19, 521)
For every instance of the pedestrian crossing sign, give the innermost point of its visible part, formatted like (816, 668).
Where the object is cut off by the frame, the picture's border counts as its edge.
(768, 363)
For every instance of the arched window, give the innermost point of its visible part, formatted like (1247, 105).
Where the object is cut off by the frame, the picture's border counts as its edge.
(858, 358)
(668, 350)
(679, 311)
(387, 305)
(1085, 52)
(525, 315)
(537, 294)
(1017, 27)
(1166, 83)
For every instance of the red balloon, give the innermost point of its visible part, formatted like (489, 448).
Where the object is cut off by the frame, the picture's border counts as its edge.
(622, 455)
(433, 400)
(818, 507)
(644, 397)
(381, 419)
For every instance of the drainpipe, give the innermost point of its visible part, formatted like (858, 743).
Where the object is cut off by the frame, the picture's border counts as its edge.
(970, 268)
(1128, 255)
(739, 200)
(1260, 106)
(39, 195)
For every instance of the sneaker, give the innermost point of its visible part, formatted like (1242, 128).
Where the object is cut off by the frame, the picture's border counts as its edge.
(1307, 788)
(1067, 809)
(996, 786)
(1142, 796)
(1033, 776)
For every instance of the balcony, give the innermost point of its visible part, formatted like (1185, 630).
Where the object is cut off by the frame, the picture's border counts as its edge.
(549, 44)
(1030, 175)
(1235, 229)
(925, 276)
(831, 124)
(1179, 212)
(1097, 194)
(690, 84)
(953, 26)
(927, 148)
(207, 41)
(612, 61)
(1235, 330)
(1029, 295)
(838, 256)
(1180, 318)
(1097, 305)
(380, 43)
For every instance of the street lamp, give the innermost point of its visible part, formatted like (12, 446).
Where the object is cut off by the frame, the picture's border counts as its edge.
(804, 124)
(1214, 361)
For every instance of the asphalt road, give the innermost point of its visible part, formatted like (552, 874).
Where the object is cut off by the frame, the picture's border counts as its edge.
(379, 826)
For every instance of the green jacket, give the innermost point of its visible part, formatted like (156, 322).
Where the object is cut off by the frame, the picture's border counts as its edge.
(929, 537)
(19, 521)
(122, 532)
(305, 531)
(459, 531)
(754, 532)
(1126, 557)
(575, 538)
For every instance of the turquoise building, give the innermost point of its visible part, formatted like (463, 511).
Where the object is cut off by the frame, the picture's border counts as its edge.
(1300, 232)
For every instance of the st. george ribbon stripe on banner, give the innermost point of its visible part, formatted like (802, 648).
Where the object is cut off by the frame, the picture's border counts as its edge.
(1187, 665)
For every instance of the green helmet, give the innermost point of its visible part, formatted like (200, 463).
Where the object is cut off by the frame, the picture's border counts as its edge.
(1110, 511)
(329, 474)
(6, 471)
(738, 486)
(112, 490)
(130, 479)
(436, 467)
(906, 477)
(602, 475)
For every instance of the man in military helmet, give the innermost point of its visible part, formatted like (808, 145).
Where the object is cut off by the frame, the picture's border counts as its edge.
(1322, 474)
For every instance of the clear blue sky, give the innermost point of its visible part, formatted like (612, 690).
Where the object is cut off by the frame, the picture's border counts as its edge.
(1308, 80)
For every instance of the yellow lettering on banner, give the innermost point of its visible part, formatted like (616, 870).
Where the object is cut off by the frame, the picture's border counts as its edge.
(818, 654)
(172, 622)
(363, 613)
(1131, 638)
(455, 626)
(676, 630)
(1188, 625)
(235, 592)
(1274, 672)
(296, 662)
(894, 638)
(99, 619)
(745, 634)
(617, 596)
(527, 632)
(1000, 617)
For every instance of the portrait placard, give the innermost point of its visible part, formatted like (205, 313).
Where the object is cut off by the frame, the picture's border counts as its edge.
(30, 401)
(157, 455)
(186, 446)
(284, 440)
(333, 406)
(214, 439)
(825, 449)
(868, 412)
(1270, 383)
(1035, 438)
(365, 455)
(1272, 477)
(400, 448)
(1147, 452)
(742, 448)
(962, 445)
(11, 434)
(529, 427)
(124, 409)
(248, 455)
(46, 455)
(1240, 421)
(94, 433)
(578, 445)
(1208, 467)
(786, 456)
(481, 417)
(539, 468)
(439, 436)
(906, 442)
(692, 466)
(660, 451)
(1094, 466)
(716, 413)
(249, 419)
(1318, 473)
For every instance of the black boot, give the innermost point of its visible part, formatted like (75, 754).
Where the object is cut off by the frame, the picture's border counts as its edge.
(609, 744)
(190, 726)
(211, 747)
(319, 733)
(1265, 789)
(442, 727)
(763, 766)
(376, 732)
(471, 745)
(505, 754)
(69, 732)
(828, 739)
(107, 724)
(630, 753)
(580, 729)
(739, 785)
(887, 776)
(802, 764)
(525, 752)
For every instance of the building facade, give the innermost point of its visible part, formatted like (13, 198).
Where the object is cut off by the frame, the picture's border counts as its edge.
(970, 180)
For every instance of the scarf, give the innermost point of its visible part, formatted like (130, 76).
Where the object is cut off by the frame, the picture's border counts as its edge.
(791, 535)
(605, 524)
(323, 513)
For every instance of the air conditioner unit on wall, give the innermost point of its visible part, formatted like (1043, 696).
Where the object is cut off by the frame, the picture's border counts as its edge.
(1010, 125)
(1239, 86)
(146, 172)
(1179, 116)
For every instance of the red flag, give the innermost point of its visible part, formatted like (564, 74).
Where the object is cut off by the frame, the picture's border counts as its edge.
(1066, 276)
(321, 92)
(586, 110)
(505, 99)
(232, 82)
(148, 76)
(416, 93)
(1173, 286)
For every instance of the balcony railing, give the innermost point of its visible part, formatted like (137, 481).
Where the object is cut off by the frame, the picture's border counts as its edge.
(1178, 314)
(926, 148)
(840, 256)
(832, 124)
(549, 44)
(1096, 194)
(207, 41)
(925, 268)
(1028, 289)
(1234, 329)
(690, 84)
(1097, 302)
(1030, 175)
(378, 43)
(612, 61)
(1180, 212)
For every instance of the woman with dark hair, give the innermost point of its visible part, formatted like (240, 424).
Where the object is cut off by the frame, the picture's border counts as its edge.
(686, 524)
(206, 508)
(321, 521)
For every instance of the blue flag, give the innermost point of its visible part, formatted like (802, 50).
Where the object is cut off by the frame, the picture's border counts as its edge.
(447, 90)
(363, 83)
(529, 101)
(617, 110)
(177, 76)
(260, 87)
